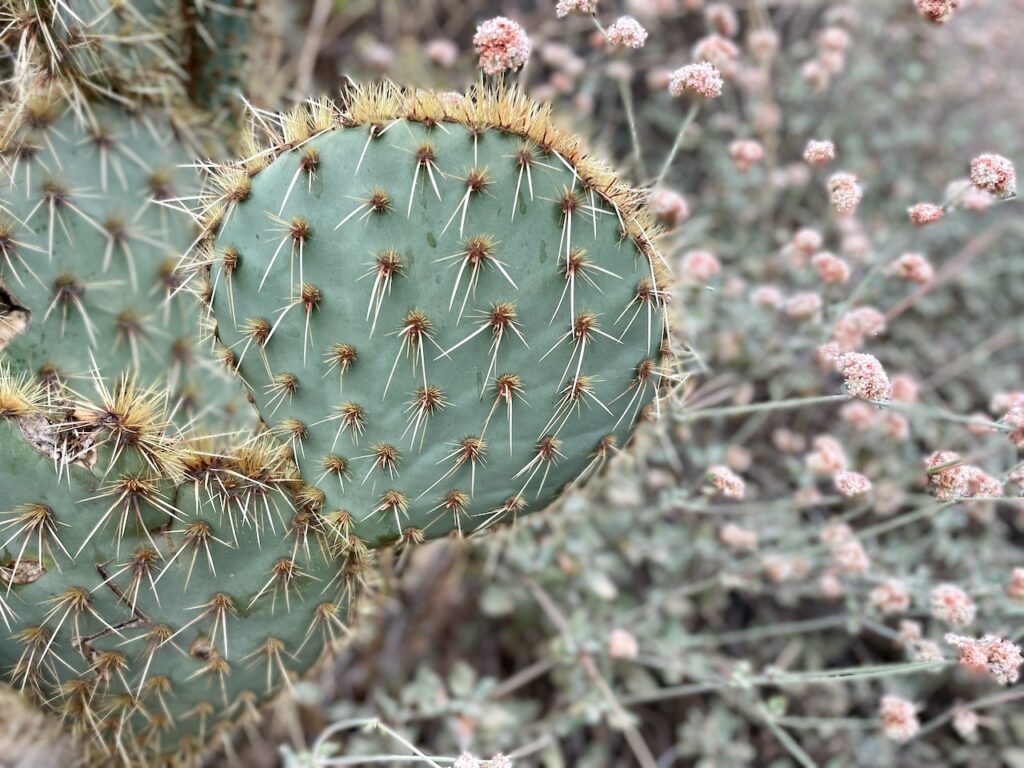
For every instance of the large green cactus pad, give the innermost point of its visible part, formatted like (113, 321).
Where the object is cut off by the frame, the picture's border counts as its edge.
(156, 594)
(446, 309)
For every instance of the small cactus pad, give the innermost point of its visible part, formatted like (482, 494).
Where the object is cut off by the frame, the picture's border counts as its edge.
(88, 251)
(154, 593)
(440, 302)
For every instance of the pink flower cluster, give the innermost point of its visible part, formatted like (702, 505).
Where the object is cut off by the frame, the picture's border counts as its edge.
(851, 484)
(994, 174)
(819, 152)
(864, 376)
(700, 266)
(891, 596)
(856, 325)
(952, 605)
(830, 268)
(938, 11)
(899, 718)
(702, 79)
(502, 45)
(565, 7)
(727, 482)
(990, 655)
(914, 268)
(626, 32)
(951, 482)
(669, 207)
(738, 539)
(746, 153)
(846, 193)
(923, 214)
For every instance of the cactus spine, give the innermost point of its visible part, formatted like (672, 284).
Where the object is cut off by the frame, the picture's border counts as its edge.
(443, 306)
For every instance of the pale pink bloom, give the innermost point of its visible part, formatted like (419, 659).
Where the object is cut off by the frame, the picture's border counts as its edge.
(910, 631)
(806, 242)
(899, 718)
(827, 458)
(864, 376)
(819, 152)
(952, 605)
(830, 585)
(564, 7)
(913, 267)
(622, 644)
(738, 539)
(905, 388)
(830, 268)
(1004, 402)
(763, 43)
(835, 533)
(815, 74)
(745, 153)
(766, 296)
(1015, 586)
(1014, 419)
(726, 482)
(851, 557)
(965, 722)
(722, 18)
(895, 425)
(834, 39)
(998, 658)
(891, 596)
(923, 214)
(700, 266)
(502, 45)
(833, 62)
(981, 483)
(466, 760)
(803, 306)
(779, 569)
(499, 761)
(994, 174)
(556, 54)
(702, 79)
(718, 50)
(627, 32)
(851, 483)
(951, 482)
(669, 207)
(846, 193)
(938, 11)
(788, 441)
(859, 415)
(441, 52)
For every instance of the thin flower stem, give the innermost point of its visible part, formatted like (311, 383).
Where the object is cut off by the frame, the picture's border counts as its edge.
(627, 105)
(690, 117)
(772, 405)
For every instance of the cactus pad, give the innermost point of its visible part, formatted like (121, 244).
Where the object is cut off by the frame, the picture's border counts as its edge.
(88, 253)
(440, 302)
(155, 594)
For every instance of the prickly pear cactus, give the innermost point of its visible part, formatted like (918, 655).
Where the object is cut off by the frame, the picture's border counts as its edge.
(155, 594)
(444, 307)
(88, 253)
